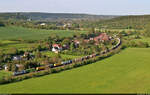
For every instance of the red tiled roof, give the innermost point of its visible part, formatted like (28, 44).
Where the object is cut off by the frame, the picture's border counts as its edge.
(102, 36)
(86, 41)
(76, 41)
(57, 45)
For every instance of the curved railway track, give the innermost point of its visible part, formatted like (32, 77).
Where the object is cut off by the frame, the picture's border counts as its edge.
(69, 61)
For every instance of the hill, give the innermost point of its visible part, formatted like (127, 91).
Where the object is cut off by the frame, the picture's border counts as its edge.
(126, 22)
(126, 72)
(51, 16)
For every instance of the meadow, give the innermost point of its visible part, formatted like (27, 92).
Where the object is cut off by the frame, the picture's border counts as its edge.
(4, 74)
(8, 45)
(126, 72)
(13, 32)
(63, 56)
(9, 35)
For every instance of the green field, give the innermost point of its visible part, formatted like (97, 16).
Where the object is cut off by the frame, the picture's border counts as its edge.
(126, 72)
(64, 56)
(4, 73)
(7, 34)
(7, 45)
(12, 32)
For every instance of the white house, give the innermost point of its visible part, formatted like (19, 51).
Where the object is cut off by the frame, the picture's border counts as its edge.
(43, 24)
(17, 58)
(6, 67)
(56, 48)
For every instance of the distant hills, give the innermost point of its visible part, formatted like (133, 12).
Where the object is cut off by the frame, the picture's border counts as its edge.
(101, 21)
(128, 22)
(52, 16)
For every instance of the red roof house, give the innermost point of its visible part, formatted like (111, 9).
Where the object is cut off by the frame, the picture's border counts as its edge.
(56, 47)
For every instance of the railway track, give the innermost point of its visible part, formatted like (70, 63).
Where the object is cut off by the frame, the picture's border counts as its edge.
(56, 65)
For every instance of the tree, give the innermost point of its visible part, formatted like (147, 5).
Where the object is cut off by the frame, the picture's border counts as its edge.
(9, 66)
(39, 48)
(1, 24)
(147, 30)
(13, 51)
(72, 46)
(14, 68)
(66, 41)
(55, 37)
(38, 54)
(6, 58)
(48, 45)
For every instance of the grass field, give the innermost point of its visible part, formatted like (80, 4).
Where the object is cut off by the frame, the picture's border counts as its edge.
(64, 56)
(126, 72)
(8, 45)
(7, 34)
(13, 32)
(4, 73)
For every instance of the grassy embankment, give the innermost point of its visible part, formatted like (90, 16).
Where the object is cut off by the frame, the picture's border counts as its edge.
(126, 72)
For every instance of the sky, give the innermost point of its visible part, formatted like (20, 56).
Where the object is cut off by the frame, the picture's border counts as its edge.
(99, 7)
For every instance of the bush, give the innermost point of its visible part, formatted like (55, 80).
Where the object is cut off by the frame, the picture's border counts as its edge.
(139, 44)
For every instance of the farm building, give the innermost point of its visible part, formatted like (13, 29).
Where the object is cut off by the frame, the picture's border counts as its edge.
(17, 58)
(76, 43)
(102, 37)
(43, 24)
(56, 48)
(6, 67)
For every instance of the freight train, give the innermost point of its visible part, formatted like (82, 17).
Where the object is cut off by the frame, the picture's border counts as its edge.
(67, 62)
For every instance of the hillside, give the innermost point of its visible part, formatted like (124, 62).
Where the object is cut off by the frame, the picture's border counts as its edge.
(124, 22)
(52, 16)
(87, 20)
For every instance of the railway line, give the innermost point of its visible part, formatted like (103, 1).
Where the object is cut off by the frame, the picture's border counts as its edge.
(55, 65)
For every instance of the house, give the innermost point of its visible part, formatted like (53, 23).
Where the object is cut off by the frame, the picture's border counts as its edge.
(65, 46)
(43, 24)
(76, 43)
(6, 67)
(19, 65)
(91, 38)
(102, 37)
(26, 54)
(67, 25)
(16, 57)
(56, 48)
(96, 29)
(29, 19)
(86, 40)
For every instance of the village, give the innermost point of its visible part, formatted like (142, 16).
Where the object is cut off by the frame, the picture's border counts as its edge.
(74, 44)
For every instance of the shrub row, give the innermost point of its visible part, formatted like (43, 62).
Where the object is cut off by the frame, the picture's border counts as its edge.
(133, 43)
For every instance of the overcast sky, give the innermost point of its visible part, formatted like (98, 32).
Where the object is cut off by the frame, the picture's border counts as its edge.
(102, 7)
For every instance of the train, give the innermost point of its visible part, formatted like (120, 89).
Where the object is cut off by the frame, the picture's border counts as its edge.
(24, 71)
(40, 68)
(57, 64)
(67, 62)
